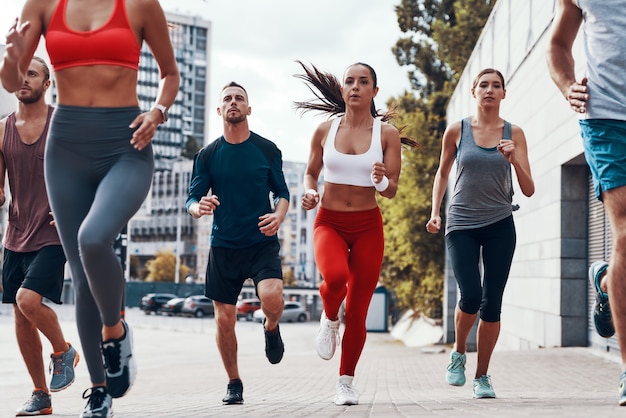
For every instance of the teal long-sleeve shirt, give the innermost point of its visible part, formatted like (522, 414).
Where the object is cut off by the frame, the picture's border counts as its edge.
(242, 177)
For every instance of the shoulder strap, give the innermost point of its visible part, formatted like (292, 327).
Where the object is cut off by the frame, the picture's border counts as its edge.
(506, 133)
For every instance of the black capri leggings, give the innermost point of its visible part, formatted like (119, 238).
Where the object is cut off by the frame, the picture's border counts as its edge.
(96, 182)
(497, 242)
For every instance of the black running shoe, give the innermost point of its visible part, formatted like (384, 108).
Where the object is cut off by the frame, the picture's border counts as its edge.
(99, 403)
(601, 309)
(234, 393)
(119, 363)
(274, 346)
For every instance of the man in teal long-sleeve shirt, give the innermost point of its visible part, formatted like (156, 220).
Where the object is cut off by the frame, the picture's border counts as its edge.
(232, 180)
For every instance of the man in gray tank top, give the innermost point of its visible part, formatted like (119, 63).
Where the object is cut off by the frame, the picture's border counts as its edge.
(33, 259)
(600, 99)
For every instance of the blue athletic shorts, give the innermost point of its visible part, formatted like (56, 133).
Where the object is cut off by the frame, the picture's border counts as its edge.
(604, 141)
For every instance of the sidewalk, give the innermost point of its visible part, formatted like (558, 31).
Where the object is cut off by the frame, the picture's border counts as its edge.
(181, 375)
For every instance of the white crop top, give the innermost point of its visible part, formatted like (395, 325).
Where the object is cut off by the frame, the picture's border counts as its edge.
(351, 169)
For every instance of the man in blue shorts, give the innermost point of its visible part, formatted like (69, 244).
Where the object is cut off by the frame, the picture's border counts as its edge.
(33, 263)
(232, 180)
(600, 99)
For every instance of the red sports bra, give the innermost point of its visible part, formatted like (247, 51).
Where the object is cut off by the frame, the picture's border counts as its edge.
(112, 44)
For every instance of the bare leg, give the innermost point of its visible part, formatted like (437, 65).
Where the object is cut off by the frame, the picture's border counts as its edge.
(616, 273)
(272, 301)
(225, 319)
(29, 343)
(486, 338)
(41, 317)
(463, 323)
(113, 333)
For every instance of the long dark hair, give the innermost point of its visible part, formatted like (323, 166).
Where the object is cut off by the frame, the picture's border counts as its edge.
(328, 99)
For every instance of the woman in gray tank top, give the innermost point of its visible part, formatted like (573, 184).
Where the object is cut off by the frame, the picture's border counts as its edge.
(480, 228)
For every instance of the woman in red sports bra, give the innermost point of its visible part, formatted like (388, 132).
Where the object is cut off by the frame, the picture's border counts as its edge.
(99, 159)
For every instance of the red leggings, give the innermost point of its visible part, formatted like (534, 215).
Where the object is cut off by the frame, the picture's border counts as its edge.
(349, 250)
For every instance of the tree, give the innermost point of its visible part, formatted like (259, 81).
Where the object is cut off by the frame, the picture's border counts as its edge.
(163, 266)
(441, 35)
(191, 148)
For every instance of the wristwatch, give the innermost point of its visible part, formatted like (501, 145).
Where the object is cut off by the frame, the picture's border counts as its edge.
(163, 111)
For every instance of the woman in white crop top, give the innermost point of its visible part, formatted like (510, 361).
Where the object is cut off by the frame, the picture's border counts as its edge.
(360, 155)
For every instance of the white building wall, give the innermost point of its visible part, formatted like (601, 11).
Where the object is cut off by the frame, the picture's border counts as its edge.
(542, 302)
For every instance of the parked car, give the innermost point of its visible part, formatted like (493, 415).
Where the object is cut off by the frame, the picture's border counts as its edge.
(172, 306)
(247, 307)
(198, 306)
(293, 312)
(153, 302)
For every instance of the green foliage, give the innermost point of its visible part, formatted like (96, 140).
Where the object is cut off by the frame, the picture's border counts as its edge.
(440, 38)
(163, 266)
(191, 148)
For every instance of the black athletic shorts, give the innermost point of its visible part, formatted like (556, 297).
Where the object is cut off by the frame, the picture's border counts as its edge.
(40, 271)
(228, 269)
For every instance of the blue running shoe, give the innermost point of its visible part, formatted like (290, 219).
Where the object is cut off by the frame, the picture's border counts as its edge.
(455, 375)
(482, 387)
(62, 368)
(601, 309)
(622, 389)
(38, 404)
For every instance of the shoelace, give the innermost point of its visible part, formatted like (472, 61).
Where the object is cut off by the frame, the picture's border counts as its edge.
(56, 364)
(484, 381)
(346, 390)
(112, 356)
(458, 362)
(95, 399)
(331, 334)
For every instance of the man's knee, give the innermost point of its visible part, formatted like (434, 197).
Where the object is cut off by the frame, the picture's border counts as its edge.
(28, 301)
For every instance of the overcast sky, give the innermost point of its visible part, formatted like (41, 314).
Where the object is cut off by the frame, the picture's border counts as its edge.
(255, 43)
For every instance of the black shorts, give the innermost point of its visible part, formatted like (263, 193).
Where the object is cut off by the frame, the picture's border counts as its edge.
(228, 269)
(41, 271)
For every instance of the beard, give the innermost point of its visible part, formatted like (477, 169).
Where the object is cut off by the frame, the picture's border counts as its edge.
(234, 118)
(31, 97)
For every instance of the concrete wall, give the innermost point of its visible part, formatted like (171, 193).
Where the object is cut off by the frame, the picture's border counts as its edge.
(545, 300)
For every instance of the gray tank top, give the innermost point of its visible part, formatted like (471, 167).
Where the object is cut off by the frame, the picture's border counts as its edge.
(483, 191)
(604, 34)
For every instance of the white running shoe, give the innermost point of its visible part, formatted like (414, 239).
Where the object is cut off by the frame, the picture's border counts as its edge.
(346, 393)
(327, 337)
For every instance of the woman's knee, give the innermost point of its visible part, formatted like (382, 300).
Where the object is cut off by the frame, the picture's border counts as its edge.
(470, 305)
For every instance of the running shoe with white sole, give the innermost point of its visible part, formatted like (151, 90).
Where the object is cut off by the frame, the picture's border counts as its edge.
(38, 404)
(99, 403)
(119, 363)
(346, 393)
(62, 368)
(327, 337)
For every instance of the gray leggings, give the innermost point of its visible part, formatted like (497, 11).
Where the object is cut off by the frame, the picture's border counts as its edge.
(96, 182)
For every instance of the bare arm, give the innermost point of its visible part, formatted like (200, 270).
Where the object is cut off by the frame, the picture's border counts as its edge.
(391, 163)
(3, 124)
(21, 41)
(314, 166)
(516, 152)
(449, 148)
(565, 27)
(156, 35)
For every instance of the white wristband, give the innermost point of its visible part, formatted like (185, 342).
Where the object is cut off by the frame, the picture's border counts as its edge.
(382, 186)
